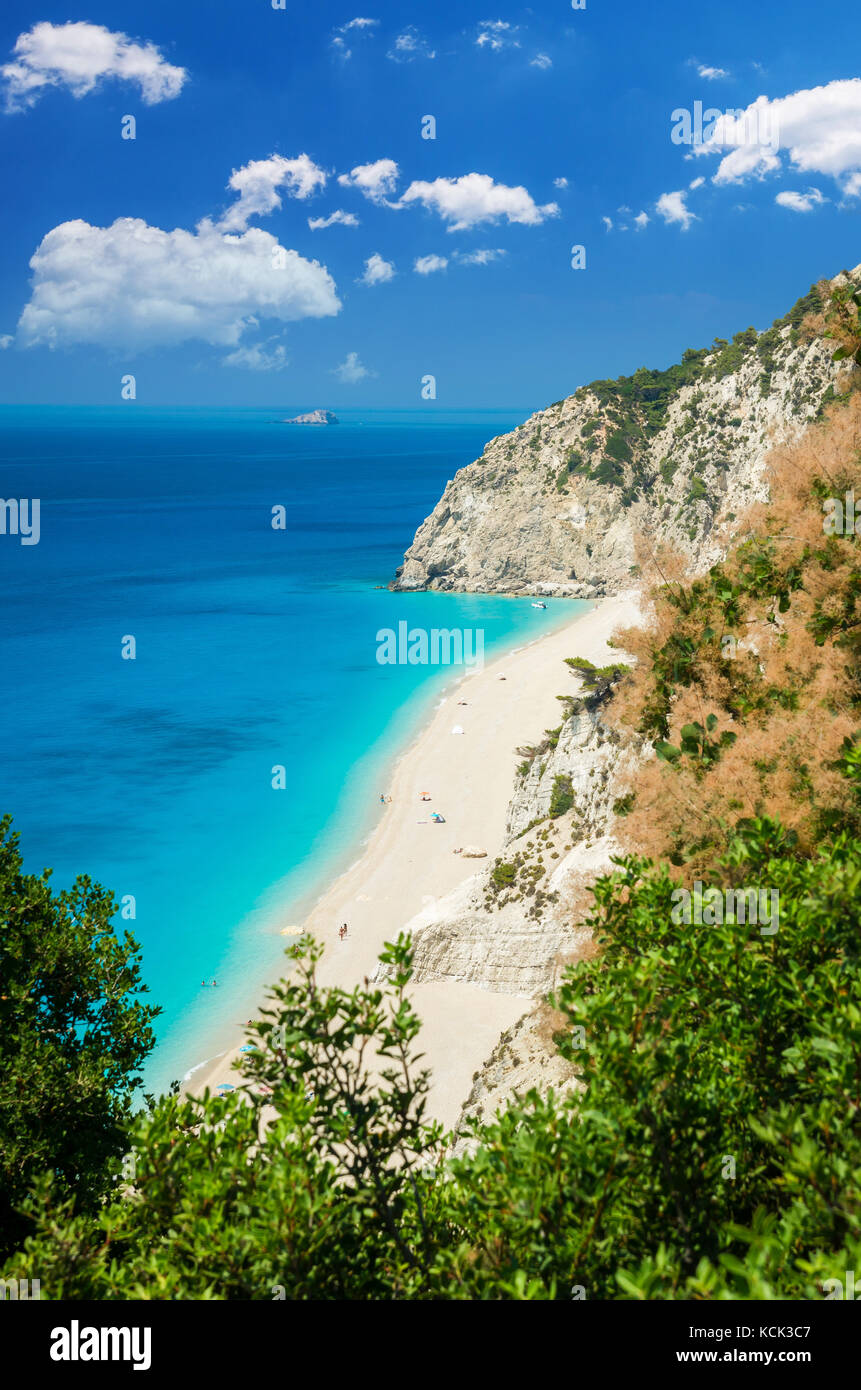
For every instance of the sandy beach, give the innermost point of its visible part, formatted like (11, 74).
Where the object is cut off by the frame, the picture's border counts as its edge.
(409, 861)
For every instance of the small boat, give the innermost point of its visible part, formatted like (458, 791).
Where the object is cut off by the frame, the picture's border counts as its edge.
(539, 605)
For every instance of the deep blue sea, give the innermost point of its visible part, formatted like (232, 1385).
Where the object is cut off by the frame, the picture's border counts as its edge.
(254, 648)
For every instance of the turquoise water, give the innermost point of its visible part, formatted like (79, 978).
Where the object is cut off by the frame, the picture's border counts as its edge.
(254, 648)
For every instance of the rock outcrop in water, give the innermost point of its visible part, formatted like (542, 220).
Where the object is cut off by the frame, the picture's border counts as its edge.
(553, 507)
(313, 417)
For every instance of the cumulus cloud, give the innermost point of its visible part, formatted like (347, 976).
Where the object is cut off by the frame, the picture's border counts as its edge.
(353, 26)
(78, 56)
(258, 357)
(410, 45)
(541, 60)
(496, 34)
(426, 265)
(800, 202)
(335, 219)
(351, 370)
(6, 341)
(819, 128)
(483, 257)
(640, 222)
(377, 271)
(711, 74)
(134, 286)
(672, 208)
(258, 182)
(696, 183)
(560, 183)
(476, 198)
(359, 24)
(377, 181)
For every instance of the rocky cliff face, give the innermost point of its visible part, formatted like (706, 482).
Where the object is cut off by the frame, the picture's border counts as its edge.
(553, 507)
(512, 925)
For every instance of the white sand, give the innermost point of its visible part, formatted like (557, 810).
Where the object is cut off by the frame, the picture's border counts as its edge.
(409, 862)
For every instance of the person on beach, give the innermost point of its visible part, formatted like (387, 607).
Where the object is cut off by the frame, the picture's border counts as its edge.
(343, 931)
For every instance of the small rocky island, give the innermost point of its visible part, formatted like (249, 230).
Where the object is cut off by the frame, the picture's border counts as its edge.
(314, 417)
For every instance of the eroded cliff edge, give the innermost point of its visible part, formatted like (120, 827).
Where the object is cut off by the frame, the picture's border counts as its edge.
(553, 507)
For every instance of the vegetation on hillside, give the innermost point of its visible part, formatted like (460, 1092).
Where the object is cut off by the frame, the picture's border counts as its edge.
(748, 680)
(636, 408)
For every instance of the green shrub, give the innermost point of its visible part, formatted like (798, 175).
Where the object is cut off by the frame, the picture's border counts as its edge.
(562, 796)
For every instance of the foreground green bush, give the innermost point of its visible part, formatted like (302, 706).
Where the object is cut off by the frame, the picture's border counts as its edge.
(714, 1149)
(73, 1034)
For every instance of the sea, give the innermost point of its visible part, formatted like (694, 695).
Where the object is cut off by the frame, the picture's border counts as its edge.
(165, 650)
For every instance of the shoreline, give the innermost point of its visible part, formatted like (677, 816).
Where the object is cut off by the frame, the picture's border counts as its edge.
(408, 862)
(286, 900)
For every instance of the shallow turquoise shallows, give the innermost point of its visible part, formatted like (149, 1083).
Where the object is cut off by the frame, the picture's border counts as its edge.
(254, 648)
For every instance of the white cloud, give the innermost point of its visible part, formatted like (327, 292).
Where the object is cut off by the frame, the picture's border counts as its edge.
(711, 74)
(258, 182)
(6, 341)
(134, 286)
(410, 45)
(671, 207)
(335, 219)
(377, 271)
(483, 257)
(608, 223)
(696, 183)
(800, 202)
(641, 220)
(351, 370)
(496, 34)
(339, 42)
(377, 181)
(426, 265)
(541, 60)
(79, 56)
(819, 128)
(258, 358)
(475, 198)
(560, 183)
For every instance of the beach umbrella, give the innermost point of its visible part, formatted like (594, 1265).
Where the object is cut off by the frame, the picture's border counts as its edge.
(224, 1087)
(249, 1048)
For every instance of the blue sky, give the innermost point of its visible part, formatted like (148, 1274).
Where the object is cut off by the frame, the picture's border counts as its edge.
(148, 263)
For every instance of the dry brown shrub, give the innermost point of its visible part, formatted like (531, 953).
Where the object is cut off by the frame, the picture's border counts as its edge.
(781, 763)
